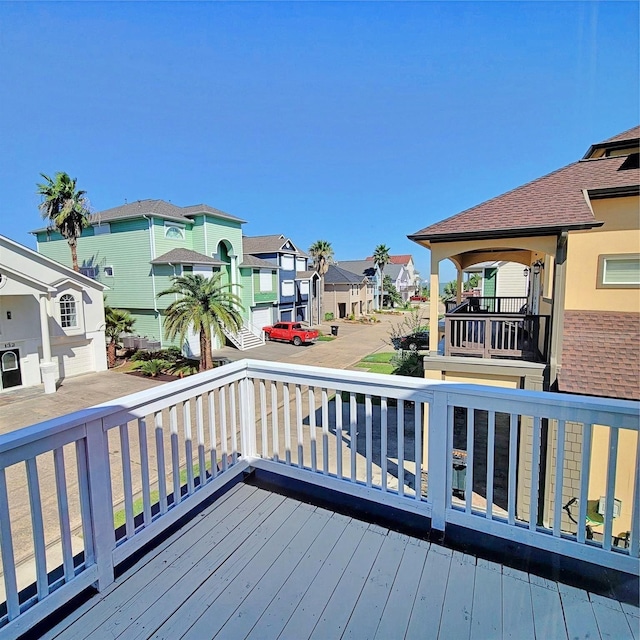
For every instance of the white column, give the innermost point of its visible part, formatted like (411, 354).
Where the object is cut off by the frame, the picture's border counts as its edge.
(48, 369)
(459, 287)
(434, 301)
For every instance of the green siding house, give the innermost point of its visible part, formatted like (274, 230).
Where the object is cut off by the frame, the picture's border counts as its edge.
(135, 249)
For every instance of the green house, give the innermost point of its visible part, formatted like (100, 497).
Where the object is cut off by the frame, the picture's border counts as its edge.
(135, 249)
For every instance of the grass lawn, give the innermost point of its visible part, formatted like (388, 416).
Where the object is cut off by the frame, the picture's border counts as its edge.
(326, 338)
(377, 362)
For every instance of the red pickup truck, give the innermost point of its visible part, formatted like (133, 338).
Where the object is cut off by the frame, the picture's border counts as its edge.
(290, 332)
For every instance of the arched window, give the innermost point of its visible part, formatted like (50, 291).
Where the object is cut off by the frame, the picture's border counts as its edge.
(68, 315)
(9, 361)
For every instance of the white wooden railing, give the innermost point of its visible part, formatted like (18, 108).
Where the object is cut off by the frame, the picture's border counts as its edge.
(148, 459)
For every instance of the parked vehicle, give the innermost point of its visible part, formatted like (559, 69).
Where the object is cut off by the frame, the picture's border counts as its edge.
(418, 298)
(412, 342)
(290, 332)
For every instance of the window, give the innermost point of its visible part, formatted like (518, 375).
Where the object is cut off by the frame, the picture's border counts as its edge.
(619, 271)
(287, 263)
(288, 288)
(101, 229)
(187, 268)
(90, 272)
(9, 361)
(68, 315)
(301, 264)
(173, 231)
(304, 287)
(266, 281)
(108, 271)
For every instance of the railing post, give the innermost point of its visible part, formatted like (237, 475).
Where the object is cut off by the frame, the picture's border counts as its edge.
(247, 421)
(438, 458)
(487, 337)
(99, 480)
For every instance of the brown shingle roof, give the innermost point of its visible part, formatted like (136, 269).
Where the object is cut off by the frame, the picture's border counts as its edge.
(253, 261)
(402, 259)
(185, 256)
(629, 134)
(601, 354)
(552, 202)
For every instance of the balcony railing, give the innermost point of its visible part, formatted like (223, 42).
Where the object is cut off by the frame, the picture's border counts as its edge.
(488, 304)
(104, 482)
(504, 335)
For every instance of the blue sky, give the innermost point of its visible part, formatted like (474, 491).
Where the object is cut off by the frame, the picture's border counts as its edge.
(357, 123)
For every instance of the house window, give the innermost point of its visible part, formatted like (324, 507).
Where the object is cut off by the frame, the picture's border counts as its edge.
(68, 315)
(288, 288)
(173, 231)
(266, 281)
(101, 229)
(187, 268)
(108, 271)
(287, 263)
(619, 271)
(304, 287)
(301, 264)
(90, 272)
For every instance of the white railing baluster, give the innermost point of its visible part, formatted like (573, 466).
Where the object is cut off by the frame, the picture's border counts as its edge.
(144, 470)
(439, 464)
(127, 485)
(513, 466)
(299, 431)
(188, 445)
(417, 421)
(85, 502)
(611, 487)
(175, 453)
(400, 436)
(557, 505)
(224, 446)
(368, 416)
(312, 430)
(275, 453)
(468, 486)
(213, 452)
(448, 457)
(63, 513)
(37, 525)
(383, 441)
(6, 547)
(491, 449)
(287, 422)
(353, 434)
(339, 434)
(584, 480)
(535, 475)
(263, 419)
(202, 459)
(162, 478)
(325, 431)
(233, 389)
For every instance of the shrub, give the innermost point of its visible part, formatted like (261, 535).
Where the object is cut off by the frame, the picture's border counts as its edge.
(408, 363)
(152, 368)
(328, 316)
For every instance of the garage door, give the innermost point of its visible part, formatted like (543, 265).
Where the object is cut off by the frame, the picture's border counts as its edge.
(73, 359)
(261, 317)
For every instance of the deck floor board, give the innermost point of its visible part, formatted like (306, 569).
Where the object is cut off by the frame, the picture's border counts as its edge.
(260, 566)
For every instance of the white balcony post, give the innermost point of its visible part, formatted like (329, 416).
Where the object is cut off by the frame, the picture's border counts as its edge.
(438, 457)
(247, 423)
(101, 502)
(48, 369)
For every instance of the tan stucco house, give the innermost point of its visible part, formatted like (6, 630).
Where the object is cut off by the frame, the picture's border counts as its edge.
(576, 231)
(347, 294)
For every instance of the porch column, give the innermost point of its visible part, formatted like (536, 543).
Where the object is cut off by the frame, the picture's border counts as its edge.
(434, 301)
(459, 286)
(47, 367)
(557, 313)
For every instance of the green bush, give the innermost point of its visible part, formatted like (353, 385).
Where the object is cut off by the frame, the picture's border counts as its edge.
(328, 316)
(152, 368)
(408, 363)
(170, 354)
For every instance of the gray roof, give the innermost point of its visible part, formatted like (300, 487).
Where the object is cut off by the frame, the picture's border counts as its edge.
(161, 209)
(185, 256)
(336, 275)
(268, 244)
(393, 270)
(305, 275)
(365, 267)
(253, 261)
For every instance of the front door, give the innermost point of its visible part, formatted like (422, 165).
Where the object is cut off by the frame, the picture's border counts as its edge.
(10, 367)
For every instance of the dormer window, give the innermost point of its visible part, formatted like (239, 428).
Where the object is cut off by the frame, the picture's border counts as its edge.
(173, 231)
(68, 313)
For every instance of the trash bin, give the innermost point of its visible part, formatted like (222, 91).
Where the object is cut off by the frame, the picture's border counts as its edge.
(459, 474)
(334, 329)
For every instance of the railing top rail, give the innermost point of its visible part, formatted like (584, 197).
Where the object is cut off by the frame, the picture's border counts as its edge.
(479, 315)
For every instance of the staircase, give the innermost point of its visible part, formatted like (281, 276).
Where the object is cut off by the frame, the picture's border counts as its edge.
(247, 338)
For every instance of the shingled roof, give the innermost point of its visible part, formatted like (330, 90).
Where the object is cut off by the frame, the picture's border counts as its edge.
(253, 261)
(269, 244)
(161, 209)
(336, 275)
(601, 354)
(185, 256)
(554, 202)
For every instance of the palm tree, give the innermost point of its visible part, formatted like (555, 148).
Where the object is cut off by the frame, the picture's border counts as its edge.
(205, 305)
(322, 255)
(381, 260)
(66, 209)
(118, 321)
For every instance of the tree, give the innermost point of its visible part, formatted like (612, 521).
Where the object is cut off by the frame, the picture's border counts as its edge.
(450, 290)
(118, 321)
(207, 306)
(322, 254)
(66, 209)
(391, 292)
(381, 260)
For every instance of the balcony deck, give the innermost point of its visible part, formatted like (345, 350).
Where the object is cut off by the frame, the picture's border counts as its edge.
(256, 564)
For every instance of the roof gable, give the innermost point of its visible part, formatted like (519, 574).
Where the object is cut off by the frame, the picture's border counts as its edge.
(336, 275)
(270, 244)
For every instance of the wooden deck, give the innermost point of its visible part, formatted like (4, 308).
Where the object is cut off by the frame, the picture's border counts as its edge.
(259, 565)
